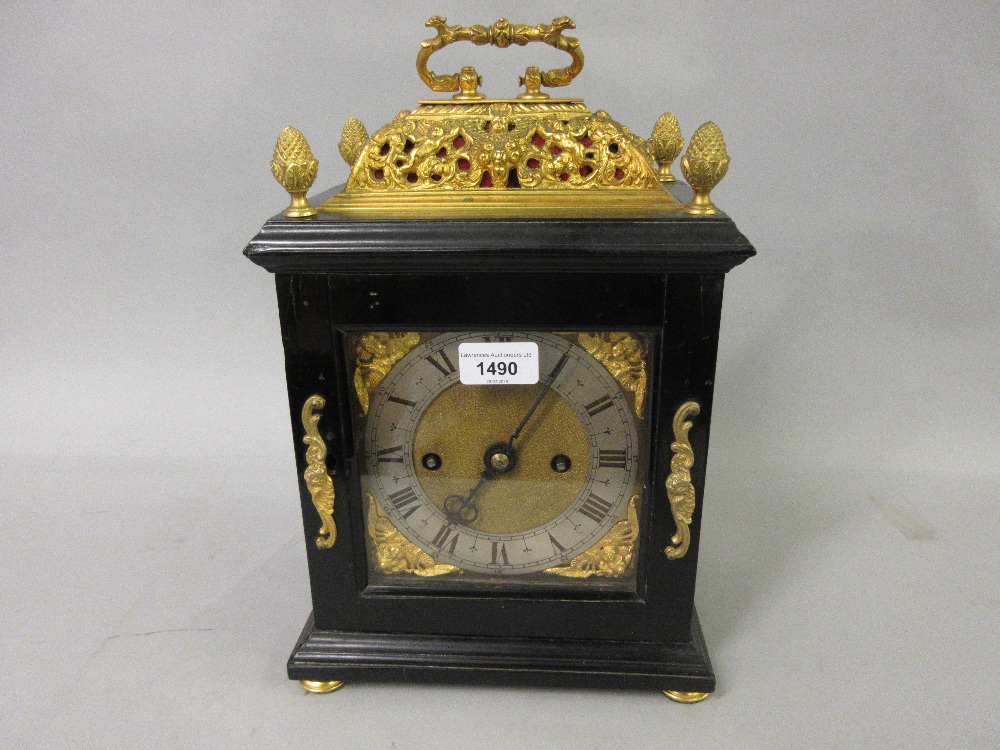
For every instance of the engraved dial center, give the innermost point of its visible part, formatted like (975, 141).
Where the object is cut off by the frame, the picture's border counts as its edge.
(466, 425)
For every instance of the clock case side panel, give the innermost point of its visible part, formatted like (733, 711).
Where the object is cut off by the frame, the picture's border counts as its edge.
(314, 366)
(689, 348)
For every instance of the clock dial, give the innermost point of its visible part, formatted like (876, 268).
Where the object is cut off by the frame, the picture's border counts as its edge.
(501, 479)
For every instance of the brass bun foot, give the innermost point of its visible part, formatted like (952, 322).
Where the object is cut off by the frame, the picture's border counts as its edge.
(314, 686)
(682, 697)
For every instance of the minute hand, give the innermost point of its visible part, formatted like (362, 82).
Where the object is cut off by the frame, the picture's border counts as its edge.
(552, 378)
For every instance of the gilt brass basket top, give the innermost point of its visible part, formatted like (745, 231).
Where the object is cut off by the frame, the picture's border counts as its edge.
(528, 155)
(501, 145)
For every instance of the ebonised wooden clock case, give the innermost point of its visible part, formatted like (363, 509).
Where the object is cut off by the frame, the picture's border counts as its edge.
(663, 275)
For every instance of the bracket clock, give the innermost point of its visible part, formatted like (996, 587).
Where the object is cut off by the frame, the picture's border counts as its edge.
(500, 340)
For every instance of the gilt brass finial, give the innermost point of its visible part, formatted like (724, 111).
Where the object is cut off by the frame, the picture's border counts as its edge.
(667, 144)
(352, 140)
(295, 168)
(704, 165)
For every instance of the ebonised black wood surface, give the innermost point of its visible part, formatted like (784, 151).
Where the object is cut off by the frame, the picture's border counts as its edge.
(674, 241)
(324, 655)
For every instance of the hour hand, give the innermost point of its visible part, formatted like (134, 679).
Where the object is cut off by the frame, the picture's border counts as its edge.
(460, 510)
(499, 459)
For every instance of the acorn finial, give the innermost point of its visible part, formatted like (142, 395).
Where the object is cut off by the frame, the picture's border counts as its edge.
(353, 140)
(295, 168)
(704, 165)
(666, 143)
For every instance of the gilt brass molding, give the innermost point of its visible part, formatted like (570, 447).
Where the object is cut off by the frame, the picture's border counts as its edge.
(318, 481)
(501, 34)
(394, 553)
(432, 109)
(295, 168)
(624, 356)
(704, 165)
(612, 557)
(376, 355)
(507, 204)
(680, 491)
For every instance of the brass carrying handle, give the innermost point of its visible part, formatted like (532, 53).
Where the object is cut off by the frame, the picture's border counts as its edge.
(501, 34)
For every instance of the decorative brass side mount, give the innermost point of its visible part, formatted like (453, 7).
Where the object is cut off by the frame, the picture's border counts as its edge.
(501, 34)
(680, 491)
(317, 479)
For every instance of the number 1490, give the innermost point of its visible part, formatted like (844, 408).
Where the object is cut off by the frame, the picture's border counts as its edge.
(497, 368)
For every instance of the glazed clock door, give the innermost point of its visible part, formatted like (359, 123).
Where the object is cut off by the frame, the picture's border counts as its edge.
(505, 460)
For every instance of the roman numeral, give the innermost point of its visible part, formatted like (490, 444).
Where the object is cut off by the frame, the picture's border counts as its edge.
(500, 554)
(611, 459)
(445, 366)
(388, 455)
(403, 401)
(595, 508)
(405, 501)
(555, 544)
(596, 407)
(446, 539)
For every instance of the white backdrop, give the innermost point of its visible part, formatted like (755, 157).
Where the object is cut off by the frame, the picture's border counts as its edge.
(153, 578)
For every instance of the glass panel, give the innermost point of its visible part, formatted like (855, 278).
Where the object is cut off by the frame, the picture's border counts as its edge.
(511, 466)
